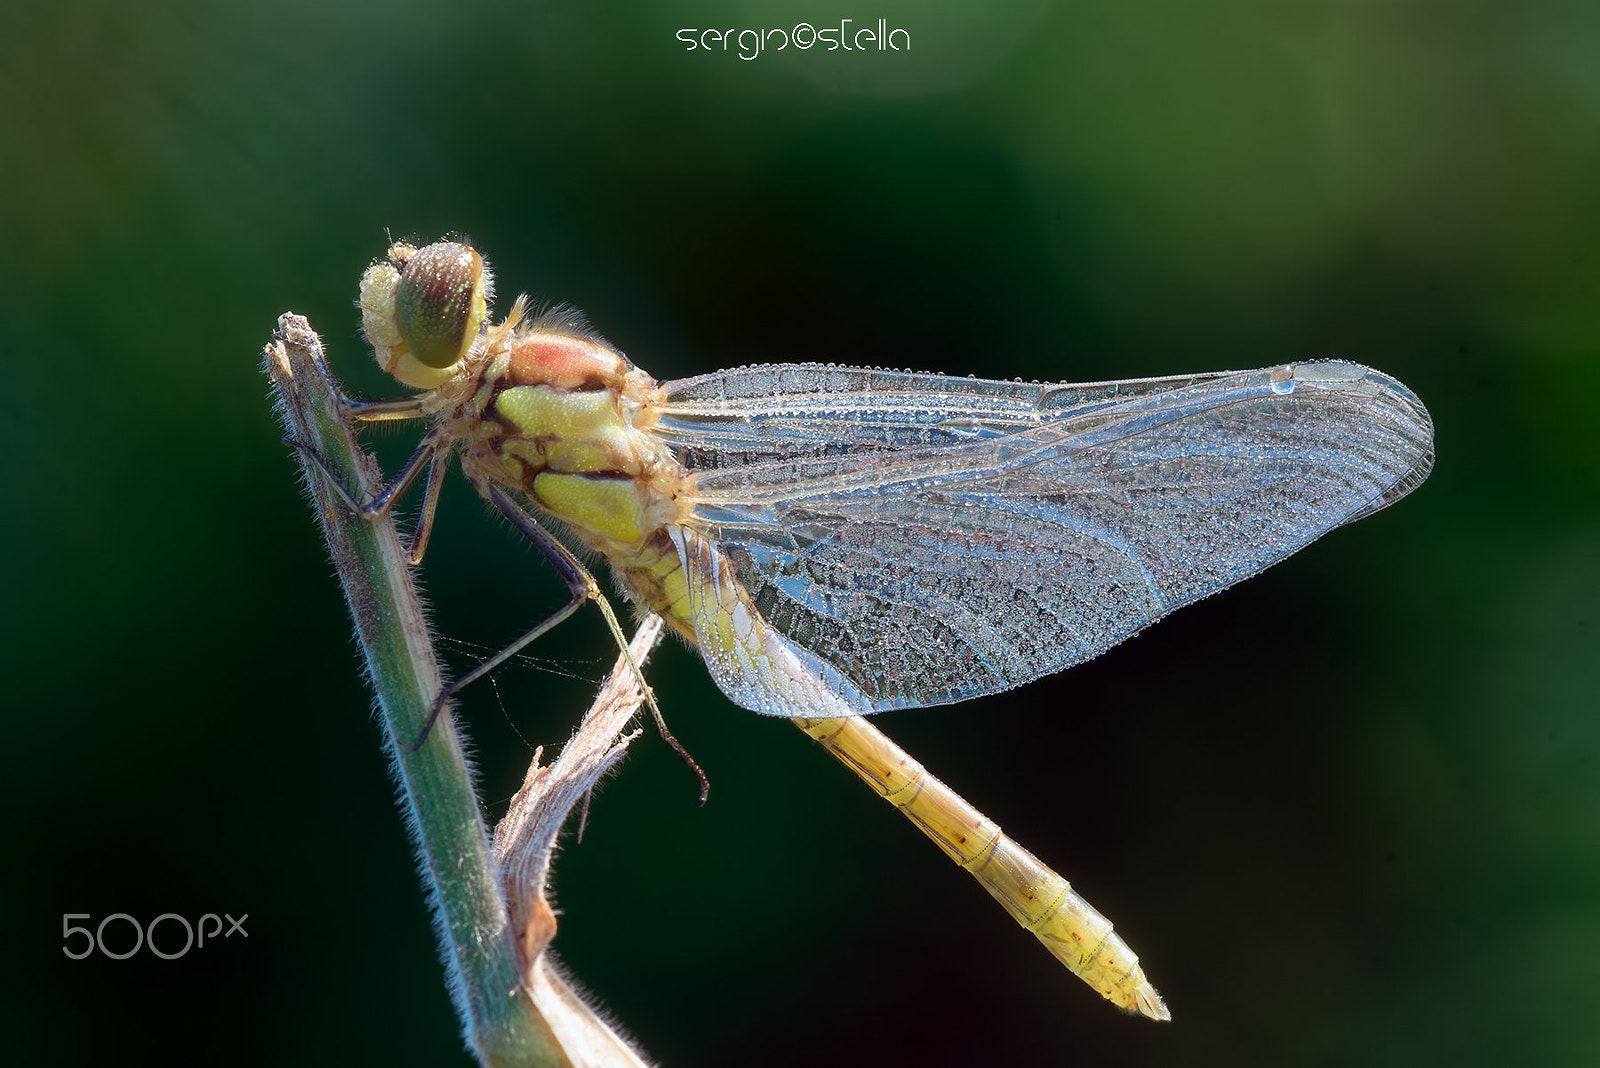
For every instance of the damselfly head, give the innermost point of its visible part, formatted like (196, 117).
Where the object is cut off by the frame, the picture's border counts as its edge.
(423, 309)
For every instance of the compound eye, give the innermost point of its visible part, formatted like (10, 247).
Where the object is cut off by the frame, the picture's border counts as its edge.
(440, 303)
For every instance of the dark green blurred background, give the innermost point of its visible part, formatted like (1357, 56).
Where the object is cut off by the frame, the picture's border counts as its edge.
(1348, 813)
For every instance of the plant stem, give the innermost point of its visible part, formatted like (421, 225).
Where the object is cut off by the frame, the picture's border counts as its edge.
(495, 976)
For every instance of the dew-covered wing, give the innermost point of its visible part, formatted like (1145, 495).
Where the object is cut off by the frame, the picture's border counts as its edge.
(934, 538)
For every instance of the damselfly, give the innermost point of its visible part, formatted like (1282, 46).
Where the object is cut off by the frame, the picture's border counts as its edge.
(838, 541)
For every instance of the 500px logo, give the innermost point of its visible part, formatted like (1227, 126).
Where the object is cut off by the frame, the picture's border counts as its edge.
(750, 43)
(146, 936)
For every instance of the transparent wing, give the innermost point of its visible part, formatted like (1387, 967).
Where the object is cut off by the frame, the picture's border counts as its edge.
(933, 538)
